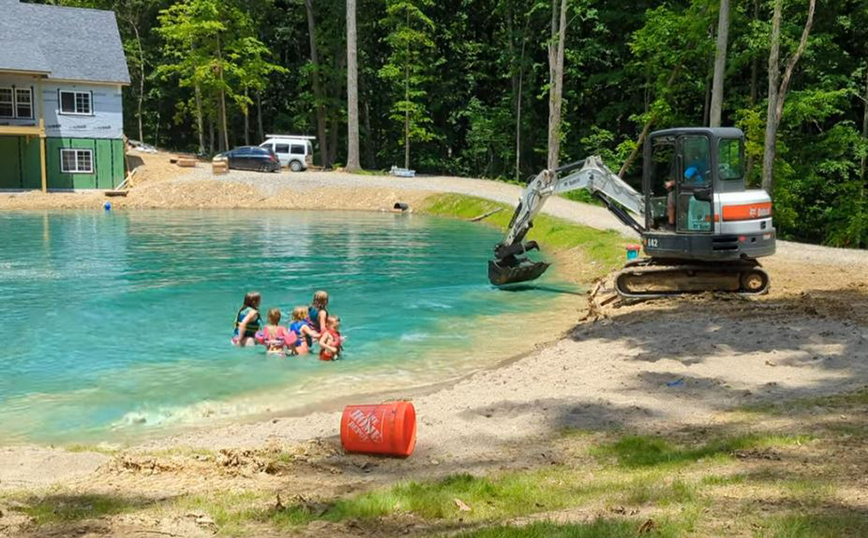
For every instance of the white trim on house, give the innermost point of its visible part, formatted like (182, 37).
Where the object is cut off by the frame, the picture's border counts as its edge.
(82, 161)
(75, 103)
(14, 103)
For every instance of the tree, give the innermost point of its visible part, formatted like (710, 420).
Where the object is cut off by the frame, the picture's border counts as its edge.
(556, 78)
(352, 91)
(719, 64)
(319, 99)
(778, 93)
(407, 67)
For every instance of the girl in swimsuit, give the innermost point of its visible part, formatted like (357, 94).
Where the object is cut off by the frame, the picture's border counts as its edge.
(304, 334)
(276, 339)
(317, 313)
(331, 343)
(247, 321)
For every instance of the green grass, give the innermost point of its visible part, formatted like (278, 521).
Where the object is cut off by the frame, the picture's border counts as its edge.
(813, 525)
(603, 247)
(62, 508)
(92, 448)
(599, 528)
(634, 451)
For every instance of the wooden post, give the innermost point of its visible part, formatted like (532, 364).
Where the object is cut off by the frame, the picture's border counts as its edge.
(42, 154)
(41, 102)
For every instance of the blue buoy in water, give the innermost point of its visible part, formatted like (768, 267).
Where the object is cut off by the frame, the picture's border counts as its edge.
(108, 206)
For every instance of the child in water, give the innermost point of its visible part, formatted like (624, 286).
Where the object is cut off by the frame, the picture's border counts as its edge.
(276, 339)
(317, 313)
(302, 330)
(247, 321)
(331, 343)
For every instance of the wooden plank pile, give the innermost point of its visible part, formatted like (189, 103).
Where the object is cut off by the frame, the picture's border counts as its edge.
(219, 166)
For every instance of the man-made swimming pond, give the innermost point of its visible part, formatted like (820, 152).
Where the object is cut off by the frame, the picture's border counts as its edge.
(118, 324)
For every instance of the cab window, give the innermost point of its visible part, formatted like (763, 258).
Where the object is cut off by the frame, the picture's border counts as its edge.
(730, 159)
(282, 148)
(697, 164)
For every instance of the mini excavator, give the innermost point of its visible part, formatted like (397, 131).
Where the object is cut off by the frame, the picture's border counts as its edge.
(701, 228)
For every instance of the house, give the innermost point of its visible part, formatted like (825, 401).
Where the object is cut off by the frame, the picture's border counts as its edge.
(61, 111)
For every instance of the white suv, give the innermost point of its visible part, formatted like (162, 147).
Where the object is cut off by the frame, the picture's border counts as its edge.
(296, 152)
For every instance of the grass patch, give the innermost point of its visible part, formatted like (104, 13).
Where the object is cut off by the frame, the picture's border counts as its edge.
(848, 400)
(634, 451)
(61, 508)
(599, 528)
(604, 247)
(231, 512)
(79, 448)
(813, 525)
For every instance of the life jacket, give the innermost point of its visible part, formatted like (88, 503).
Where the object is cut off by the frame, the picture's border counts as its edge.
(296, 326)
(313, 318)
(252, 327)
(327, 354)
(281, 340)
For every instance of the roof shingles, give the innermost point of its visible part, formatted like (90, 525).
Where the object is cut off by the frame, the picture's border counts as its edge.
(68, 43)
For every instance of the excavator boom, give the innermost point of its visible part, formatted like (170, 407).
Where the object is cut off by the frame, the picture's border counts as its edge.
(510, 264)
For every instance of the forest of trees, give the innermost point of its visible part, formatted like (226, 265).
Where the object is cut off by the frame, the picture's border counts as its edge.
(461, 87)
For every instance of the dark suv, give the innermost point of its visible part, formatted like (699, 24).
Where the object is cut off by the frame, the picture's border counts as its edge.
(253, 158)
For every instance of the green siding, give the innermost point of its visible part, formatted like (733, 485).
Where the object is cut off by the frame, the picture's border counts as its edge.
(10, 163)
(108, 162)
(31, 173)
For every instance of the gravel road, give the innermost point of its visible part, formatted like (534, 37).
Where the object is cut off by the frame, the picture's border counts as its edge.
(589, 215)
(271, 184)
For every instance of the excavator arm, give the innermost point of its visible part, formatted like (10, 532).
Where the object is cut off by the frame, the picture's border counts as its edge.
(510, 265)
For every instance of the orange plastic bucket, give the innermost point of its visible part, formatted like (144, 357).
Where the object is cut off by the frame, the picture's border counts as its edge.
(379, 429)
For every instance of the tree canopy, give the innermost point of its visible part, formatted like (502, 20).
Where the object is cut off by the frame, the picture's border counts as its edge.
(465, 82)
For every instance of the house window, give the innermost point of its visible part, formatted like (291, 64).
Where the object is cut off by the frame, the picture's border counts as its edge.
(23, 103)
(7, 103)
(16, 103)
(76, 161)
(75, 102)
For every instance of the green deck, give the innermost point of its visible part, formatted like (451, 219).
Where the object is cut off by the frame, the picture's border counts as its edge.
(20, 169)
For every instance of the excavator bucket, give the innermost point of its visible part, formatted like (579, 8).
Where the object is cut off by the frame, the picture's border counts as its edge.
(500, 274)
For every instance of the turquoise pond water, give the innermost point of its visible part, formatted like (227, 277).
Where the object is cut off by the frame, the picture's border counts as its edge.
(118, 324)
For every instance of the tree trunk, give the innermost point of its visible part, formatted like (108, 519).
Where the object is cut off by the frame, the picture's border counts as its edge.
(370, 161)
(333, 140)
(141, 96)
(778, 95)
(352, 91)
(865, 131)
(317, 88)
(224, 139)
(719, 64)
(706, 109)
(754, 75)
(406, 116)
(246, 111)
(556, 89)
(259, 116)
(518, 101)
(211, 134)
(199, 120)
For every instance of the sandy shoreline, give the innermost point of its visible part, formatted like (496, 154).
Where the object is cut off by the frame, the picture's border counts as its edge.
(647, 368)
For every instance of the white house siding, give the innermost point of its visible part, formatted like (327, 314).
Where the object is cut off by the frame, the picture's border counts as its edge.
(107, 120)
(106, 104)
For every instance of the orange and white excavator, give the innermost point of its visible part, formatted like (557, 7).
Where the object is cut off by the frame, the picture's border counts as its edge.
(701, 228)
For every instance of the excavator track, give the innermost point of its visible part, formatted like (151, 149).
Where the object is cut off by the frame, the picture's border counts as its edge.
(652, 278)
